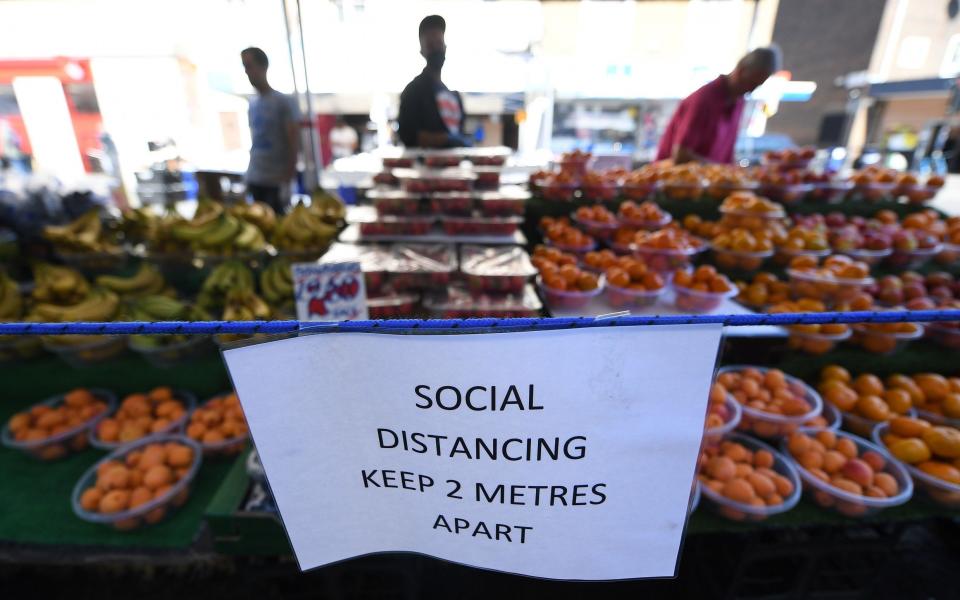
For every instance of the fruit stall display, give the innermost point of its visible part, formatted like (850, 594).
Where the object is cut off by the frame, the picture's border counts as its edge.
(824, 425)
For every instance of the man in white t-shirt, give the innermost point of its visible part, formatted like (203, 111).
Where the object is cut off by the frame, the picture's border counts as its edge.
(273, 119)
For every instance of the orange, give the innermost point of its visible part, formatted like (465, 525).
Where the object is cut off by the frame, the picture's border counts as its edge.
(935, 387)
(943, 441)
(868, 384)
(911, 451)
(941, 470)
(908, 426)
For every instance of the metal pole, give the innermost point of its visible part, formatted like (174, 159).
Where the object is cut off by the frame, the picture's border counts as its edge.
(317, 159)
(293, 71)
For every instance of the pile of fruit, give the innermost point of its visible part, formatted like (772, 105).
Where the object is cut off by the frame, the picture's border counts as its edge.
(867, 397)
(702, 290)
(745, 477)
(219, 424)
(158, 411)
(84, 235)
(762, 291)
(838, 463)
(565, 236)
(214, 230)
(931, 449)
(810, 337)
(774, 403)
(147, 477)
(53, 429)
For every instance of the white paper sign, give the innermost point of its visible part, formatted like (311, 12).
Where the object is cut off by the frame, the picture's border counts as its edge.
(569, 454)
(332, 291)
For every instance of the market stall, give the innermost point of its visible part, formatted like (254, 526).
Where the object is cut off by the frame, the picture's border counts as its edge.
(445, 237)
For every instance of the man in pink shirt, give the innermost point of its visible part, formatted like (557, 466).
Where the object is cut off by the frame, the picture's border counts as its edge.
(705, 125)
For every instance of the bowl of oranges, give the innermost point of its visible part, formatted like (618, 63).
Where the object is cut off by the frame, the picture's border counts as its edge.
(741, 249)
(569, 287)
(723, 414)
(596, 221)
(667, 249)
(885, 338)
(159, 411)
(58, 426)
(865, 401)
(219, 426)
(746, 480)
(929, 452)
(838, 279)
(774, 404)
(847, 474)
(139, 484)
(560, 234)
(631, 284)
(702, 290)
(646, 215)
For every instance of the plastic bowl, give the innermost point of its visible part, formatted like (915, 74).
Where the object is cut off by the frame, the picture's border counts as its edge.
(771, 426)
(394, 202)
(166, 356)
(787, 193)
(939, 491)
(666, 260)
(740, 260)
(829, 290)
(948, 337)
(682, 190)
(65, 443)
(912, 259)
(783, 256)
(564, 299)
(151, 512)
(917, 194)
(576, 250)
(870, 257)
(596, 229)
(647, 225)
(619, 297)
(881, 342)
(816, 343)
(694, 497)
(91, 350)
(692, 301)
(721, 189)
(949, 254)
(601, 192)
(737, 511)
(874, 192)
(639, 191)
(846, 503)
(713, 435)
(829, 418)
(830, 192)
(937, 418)
(189, 402)
(863, 426)
(559, 192)
(228, 447)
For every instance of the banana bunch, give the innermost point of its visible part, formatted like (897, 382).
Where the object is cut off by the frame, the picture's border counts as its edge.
(276, 283)
(215, 231)
(327, 206)
(11, 303)
(85, 234)
(245, 305)
(162, 308)
(258, 213)
(303, 230)
(145, 282)
(226, 277)
(99, 305)
(54, 284)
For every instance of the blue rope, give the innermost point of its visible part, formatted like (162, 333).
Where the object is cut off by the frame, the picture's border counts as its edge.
(275, 327)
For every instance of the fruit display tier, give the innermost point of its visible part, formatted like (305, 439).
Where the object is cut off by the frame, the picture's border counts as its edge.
(35, 509)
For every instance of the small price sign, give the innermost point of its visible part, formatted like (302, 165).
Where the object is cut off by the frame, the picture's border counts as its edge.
(329, 291)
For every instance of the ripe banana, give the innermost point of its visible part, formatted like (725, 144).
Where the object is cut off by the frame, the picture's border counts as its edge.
(159, 308)
(100, 305)
(147, 280)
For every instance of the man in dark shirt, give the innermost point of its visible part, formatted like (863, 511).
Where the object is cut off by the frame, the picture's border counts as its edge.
(431, 116)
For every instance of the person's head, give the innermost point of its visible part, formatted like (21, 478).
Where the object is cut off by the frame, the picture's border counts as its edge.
(432, 46)
(753, 69)
(255, 64)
